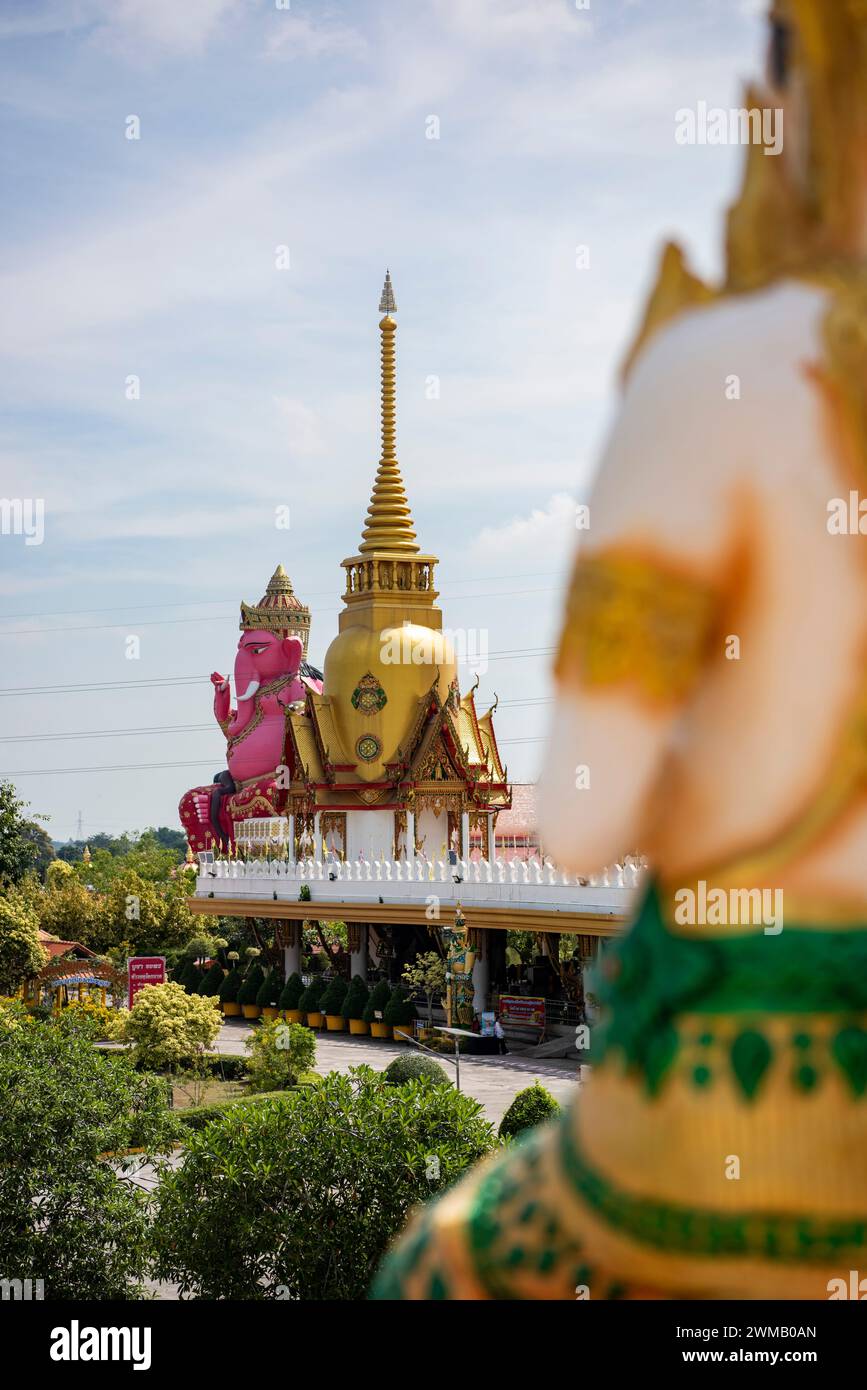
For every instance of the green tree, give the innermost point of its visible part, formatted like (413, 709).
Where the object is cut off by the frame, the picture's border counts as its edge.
(170, 1028)
(67, 1215)
(377, 1003)
(17, 849)
(427, 975)
(268, 996)
(279, 1054)
(21, 955)
(43, 849)
(303, 1193)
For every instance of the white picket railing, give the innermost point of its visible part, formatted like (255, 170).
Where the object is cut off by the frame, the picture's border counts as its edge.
(514, 882)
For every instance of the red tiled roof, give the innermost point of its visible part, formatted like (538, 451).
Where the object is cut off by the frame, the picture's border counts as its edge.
(521, 818)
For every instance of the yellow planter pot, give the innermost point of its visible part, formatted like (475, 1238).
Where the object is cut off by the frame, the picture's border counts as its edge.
(292, 1015)
(231, 1010)
(380, 1030)
(400, 1030)
(314, 1020)
(270, 1011)
(250, 1010)
(357, 1026)
(334, 1023)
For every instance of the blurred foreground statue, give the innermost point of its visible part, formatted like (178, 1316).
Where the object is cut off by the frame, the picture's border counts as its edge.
(712, 679)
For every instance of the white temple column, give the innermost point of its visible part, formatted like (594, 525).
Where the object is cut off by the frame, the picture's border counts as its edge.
(317, 836)
(481, 983)
(409, 848)
(465, 836)
(492, 851)
(291, 833)
(358, 959)
(292, 954)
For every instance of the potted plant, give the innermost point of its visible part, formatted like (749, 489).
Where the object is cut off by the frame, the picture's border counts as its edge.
(268, 997)
(291, 993)
(354, 1005)
(399, 1013)
(229, 993)
(249, 990)
(374, 1010)
(212, 981)
(309, 1002)
(332, 1004)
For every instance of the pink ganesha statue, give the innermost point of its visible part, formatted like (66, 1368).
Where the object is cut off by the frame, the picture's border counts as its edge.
(270, 676)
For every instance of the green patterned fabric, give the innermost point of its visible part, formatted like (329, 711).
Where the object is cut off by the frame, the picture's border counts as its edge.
(651, 976)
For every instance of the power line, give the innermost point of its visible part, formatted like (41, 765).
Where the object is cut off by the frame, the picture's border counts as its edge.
(166, 682)
(221, 617)
(153, 767)
(173, 728)
(210, 602)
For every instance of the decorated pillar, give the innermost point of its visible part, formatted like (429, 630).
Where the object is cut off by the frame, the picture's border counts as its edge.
(410, 836)
(317, 836)
(465, 836)
(460, 961)
(491, 847)
(357, 934)
(481, 973)
(291, 835)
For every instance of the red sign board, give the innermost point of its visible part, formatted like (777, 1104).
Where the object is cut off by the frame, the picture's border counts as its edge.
(144, 970)
(519, 1008)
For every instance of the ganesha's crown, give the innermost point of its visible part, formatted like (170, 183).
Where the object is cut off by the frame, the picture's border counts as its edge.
(279, 611)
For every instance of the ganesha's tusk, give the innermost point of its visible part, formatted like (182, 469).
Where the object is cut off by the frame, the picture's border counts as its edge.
(250, 691)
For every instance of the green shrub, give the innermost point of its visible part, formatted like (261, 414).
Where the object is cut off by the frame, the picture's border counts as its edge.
(399, 1010)
(307, 1191)
(64, 1215)
(279, 1053)
(292, 992)
(197, 1116)
(310, 997)
(212, 981)
(190, 977)
(355, 999)
(530, 1107)
(268, 996)
(170, 1028)
(376, 1004)
(230, 987)
(410, 1068)
(227, 1066)
(332, 999)
(253, 981)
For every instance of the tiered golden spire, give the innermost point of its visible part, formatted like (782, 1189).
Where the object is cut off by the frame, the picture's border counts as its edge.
(388, 525)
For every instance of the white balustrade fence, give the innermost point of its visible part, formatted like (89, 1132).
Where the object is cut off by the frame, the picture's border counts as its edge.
(515, 882)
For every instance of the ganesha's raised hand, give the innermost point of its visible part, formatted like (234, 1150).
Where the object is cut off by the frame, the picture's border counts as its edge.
(222, 697)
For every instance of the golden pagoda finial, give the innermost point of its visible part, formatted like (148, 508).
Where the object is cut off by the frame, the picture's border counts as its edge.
(86, 856)
(388, 524)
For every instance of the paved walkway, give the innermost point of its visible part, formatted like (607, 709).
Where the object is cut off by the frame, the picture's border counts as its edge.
(493, 1081)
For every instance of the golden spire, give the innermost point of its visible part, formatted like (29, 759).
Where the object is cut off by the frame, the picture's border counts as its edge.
(388, 524)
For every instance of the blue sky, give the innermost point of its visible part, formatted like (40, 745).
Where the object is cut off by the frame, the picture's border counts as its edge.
(307, 127)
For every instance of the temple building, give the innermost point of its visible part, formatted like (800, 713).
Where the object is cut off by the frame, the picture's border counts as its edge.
(387, 795)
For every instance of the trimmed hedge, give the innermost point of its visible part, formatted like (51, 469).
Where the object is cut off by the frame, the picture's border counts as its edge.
(310, 997)
(213, 980)
(253, 981)
(410, 1068)
(531, 1107)
(356, 998)
(230, 986)
(270, 990)
(197, 1116)
(292, 992)
(377, 1002)
(332, 999)
(399, 1011)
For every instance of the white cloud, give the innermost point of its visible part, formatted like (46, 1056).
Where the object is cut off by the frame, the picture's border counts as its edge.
(548, 533)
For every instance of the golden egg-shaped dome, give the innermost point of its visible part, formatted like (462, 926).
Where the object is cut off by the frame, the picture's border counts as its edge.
(374, 680)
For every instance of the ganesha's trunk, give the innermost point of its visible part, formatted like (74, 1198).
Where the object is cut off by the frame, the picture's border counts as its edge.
(246, 684)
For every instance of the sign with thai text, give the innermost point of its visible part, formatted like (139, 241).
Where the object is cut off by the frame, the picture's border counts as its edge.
(144, 970)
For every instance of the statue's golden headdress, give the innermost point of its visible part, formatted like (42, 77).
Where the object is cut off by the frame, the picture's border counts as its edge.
(279, 611)
(803, 209)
